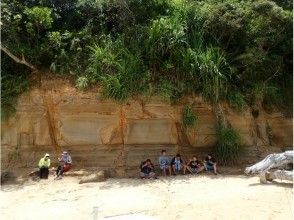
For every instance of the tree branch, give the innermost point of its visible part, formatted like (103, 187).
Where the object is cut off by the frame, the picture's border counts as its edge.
(17, 59)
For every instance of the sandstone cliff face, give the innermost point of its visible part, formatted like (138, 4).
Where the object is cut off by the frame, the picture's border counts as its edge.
(102, 133)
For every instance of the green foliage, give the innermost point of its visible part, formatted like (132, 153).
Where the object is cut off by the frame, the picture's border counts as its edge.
(230, 49)
(237, 101)
(82, 82)
(12, 87)
(38, 18)
(189, 117)
(120, 72)
(165, 36)
(268, 94)
(214, 73)
(228, 147)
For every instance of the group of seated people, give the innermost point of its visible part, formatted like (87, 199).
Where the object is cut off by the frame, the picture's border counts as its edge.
(176, 165)
(65, 163)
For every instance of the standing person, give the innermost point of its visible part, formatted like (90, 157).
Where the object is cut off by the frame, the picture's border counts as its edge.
(147, 170)
(210, 164)
(65, 164)
(44, 165)
(194, 166)
(164, 163)
(177, 164)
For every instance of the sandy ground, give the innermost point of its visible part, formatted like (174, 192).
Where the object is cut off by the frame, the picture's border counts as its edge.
(181, 197)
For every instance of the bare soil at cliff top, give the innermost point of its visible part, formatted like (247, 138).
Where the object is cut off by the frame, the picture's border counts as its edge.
(181, 197)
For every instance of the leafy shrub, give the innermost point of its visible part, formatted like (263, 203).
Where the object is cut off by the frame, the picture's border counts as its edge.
(165, 36)
(212, 48)
(82, 82)
(165, 89)
(237, 101)
(214, 73)
(120, 72)
(267, 94)
(39, 18)
(228, 147)
(12, 87)
(189, 117)
(114, 88)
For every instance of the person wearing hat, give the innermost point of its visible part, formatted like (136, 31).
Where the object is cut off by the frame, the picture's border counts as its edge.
(44, 165)
(65, 164)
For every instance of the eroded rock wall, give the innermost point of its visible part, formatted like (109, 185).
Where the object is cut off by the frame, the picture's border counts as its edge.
(103, 133)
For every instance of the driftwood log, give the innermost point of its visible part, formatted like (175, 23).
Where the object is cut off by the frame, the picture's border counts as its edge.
(273, 167)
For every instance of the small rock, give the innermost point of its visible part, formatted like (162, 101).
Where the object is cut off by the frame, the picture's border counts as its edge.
(7, 177)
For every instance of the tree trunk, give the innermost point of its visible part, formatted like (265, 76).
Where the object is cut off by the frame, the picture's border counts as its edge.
(220, 115)
(271, 161)
(277, 174)
(17, 59)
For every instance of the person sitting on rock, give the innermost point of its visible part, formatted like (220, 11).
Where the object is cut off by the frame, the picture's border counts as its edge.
(210, 164)
(164, 163)
(147, 170)
(65, 164)
(177, 164)
(44, 165)
(194, 166)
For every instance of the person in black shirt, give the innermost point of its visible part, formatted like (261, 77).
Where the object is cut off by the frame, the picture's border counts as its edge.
(210, 164)
(147, 168)
(194, 166)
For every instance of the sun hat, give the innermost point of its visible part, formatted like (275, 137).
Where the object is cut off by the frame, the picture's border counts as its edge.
(47, 155)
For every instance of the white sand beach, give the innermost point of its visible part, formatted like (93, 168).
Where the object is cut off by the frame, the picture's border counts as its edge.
(180, 197)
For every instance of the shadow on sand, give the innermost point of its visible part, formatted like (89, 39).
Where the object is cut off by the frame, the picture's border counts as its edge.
(274, 183)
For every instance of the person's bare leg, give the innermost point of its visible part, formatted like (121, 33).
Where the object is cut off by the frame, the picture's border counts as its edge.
(205, 167)
(169, 170)
(190, 170)
(151, 175)
(164, 171)
(214, 168)
(187, 168)
(142, 175)
(200, 169)
(174, 169)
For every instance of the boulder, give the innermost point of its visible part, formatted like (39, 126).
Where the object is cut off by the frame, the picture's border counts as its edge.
(92, 178)
(7, 177)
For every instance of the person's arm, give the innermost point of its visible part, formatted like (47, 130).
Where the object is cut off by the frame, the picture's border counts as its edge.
(189, 164)
(211, 161)
(152, 166)
(160, 161)
(69, 159)
(144, 164)
(40, 163)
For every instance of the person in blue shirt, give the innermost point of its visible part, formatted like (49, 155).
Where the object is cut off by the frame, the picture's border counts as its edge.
(164, 163)
(210, 164)
(177, 164)
(65, 164)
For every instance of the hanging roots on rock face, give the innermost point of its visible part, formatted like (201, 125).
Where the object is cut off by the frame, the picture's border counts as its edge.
(278, 162)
